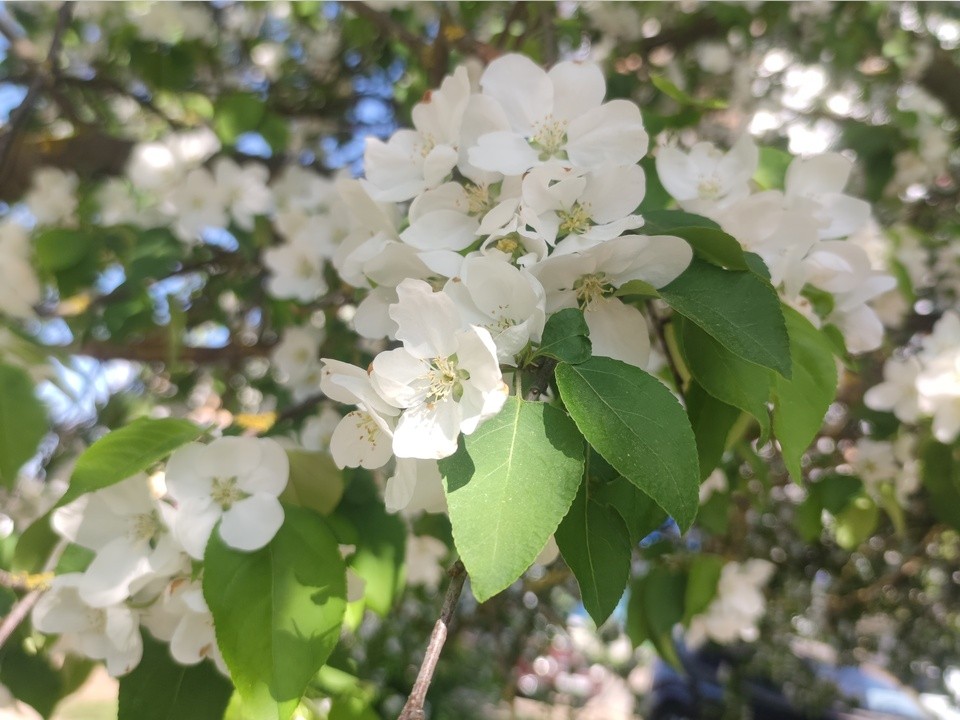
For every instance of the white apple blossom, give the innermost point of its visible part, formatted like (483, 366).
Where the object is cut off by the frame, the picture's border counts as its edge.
(296, 270)
(556, 116)
(881, 463)
(706, 180)
(19, 285)
(363, 438)
(196, 204)
(424, 554)
(296, 359)
(317, 429)
(52, 197)
(445, 377)
(233, 480)
(416, 160)
(738, 606)
(508, 302)
(898, 391)
(181, 618)
(128, 529)
(108, 633)
(588, 280)
(244, 190)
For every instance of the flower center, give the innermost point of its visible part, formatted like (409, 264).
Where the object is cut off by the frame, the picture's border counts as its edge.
(591, 287)
(225, 492)
(445, 378)
(709, 188)
(549, 137)
(479, 199)
(575, 220)
(145, 526)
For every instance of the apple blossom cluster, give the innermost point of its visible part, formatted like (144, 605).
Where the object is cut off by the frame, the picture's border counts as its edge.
(925, 384)
(738, 606)
(146, 535)
(886, 466)
(19, 285)
(800, 232)
(503, 204)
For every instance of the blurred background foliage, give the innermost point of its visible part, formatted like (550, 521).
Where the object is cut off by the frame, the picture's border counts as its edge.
(133, 319)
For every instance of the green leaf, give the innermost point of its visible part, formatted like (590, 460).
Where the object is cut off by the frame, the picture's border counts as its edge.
(856, 523)
(508, 487)
(380, 541)
(29, 677)
(725, 376)
(800, 403)
(595, 544)
(664, 222)
(35, 545)
(701, 584)
(236, 114)
(655, 607)
(638, 426)
(638, 288)
(675, 93)
(161, 689)
(640, 513)
(941, 478)
(277, 610)
(58, 249)
(566, 337)
(711, 421)
(738, 309)
(704, 236)
(23, 422)
(772, 168)
(315, 481)
(127, 451)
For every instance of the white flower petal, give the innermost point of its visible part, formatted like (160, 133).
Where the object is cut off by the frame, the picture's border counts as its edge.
(252, 522)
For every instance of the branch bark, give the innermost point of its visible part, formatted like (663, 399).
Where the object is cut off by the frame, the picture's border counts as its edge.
(41, 76)
(413, 710)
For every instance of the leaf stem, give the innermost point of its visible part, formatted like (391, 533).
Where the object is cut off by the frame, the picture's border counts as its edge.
(413, 710)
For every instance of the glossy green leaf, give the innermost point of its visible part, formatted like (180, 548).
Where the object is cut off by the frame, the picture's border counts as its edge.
(639, 512)
(566, 337)
(738, 309)
(655, 607)
(701, 586)
(315, 481)
(23, 422)
(704, 236)
(595, 544)
(508, 487)
(725, 376)
(856, 523)
(127, 451)
(799, 404)
(277, 610)
(159, 688)
(941, 478)
(638, 426)
(711, 421)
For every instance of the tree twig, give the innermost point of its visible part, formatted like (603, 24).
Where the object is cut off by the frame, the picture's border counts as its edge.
(40, 77)
(413, 710)
(18, 613)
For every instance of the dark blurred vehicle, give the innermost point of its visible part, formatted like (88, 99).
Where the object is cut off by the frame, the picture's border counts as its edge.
(698, 692)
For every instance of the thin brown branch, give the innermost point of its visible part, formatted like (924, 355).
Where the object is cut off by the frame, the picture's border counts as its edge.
(413, 710)
(159, 350)
(21, 609)
(41, 77)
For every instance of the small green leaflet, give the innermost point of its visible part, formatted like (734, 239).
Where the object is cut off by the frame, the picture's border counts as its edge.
(639, 427)
(127, 451)
(738, 309)
(277, 610)
(508, 487)
(595, 544)
(159, 688)
(800, 403)
(23, 422)
(566, 337)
